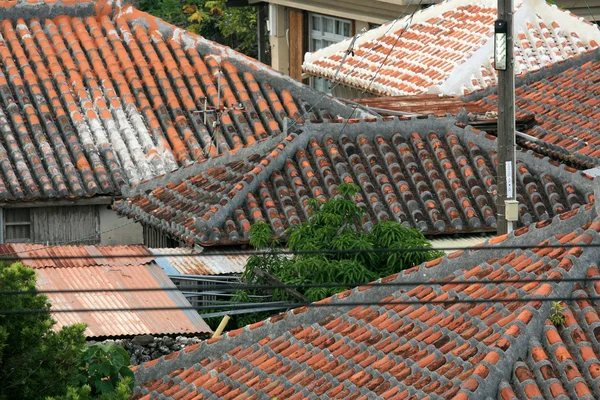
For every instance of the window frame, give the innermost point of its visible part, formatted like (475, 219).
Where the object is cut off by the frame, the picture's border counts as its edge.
(5, 225)
(331, 37)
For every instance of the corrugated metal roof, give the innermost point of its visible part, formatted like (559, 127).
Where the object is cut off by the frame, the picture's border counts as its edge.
(90, 255)
(461, 242)
(202, 264)
(123, 323)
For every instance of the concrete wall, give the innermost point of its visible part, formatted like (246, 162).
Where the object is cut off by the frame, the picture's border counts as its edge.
(132, 233)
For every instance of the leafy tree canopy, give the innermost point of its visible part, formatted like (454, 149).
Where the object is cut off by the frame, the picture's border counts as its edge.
(37, 361)
(334, 224)
(231, 26)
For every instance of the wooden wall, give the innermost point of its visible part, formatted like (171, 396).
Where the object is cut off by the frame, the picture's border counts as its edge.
(296, 38)
(62, 224)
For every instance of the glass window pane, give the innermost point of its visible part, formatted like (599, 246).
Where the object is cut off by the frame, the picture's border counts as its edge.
(316, 44)
(316, 23)
(346, 29)
(338, 28)
(328, 25)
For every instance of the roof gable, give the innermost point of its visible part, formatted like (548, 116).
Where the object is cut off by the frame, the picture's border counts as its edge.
(100, 97)
(466, 350)
(448, 49)
(424, 173)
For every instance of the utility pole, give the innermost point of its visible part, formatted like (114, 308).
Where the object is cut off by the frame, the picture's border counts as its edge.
(504, 59)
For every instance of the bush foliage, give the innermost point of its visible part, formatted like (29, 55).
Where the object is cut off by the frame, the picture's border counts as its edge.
(231, 26)
(332, 225)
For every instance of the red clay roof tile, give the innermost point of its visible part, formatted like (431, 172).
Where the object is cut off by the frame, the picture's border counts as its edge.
(450, 351)
(448, 48)
(100, 96)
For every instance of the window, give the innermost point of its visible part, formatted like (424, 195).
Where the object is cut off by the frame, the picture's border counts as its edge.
(325, 31)
(17, 225)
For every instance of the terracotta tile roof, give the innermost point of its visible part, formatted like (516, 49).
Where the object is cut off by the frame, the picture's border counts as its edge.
(448, 48)
(565, 104)
(94, 97)
(92, 267)
(425, 173)
(564, 360)
(458, 351)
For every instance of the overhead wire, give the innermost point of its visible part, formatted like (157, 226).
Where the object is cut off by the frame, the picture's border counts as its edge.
(363, 285)
(291, 305)
(10, 256)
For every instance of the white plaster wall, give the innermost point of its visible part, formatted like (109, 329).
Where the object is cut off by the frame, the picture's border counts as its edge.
(118, 235)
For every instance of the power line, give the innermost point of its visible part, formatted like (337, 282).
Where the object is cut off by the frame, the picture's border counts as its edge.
(345, 304)
(293, 252)
(212, 288)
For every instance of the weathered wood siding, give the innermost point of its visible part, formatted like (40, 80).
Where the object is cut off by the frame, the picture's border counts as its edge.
(63, 224)
(156, 239)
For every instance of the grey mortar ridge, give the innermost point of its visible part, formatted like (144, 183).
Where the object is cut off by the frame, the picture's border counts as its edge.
(534, 163)
(546, 72)
(387, 127)
(535, 367)
(284, 322)
(44, 10)
(535, 327)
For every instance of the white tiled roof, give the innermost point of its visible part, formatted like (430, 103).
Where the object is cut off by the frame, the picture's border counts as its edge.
(448, 48)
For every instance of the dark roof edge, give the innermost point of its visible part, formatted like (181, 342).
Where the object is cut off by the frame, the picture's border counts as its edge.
(437, 269)
(528, 78)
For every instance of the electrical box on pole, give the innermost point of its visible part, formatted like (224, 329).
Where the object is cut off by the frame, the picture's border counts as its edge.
(504, 65)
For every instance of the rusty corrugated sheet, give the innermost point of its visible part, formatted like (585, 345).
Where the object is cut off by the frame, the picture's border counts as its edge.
(423, 104)
(34, 255)
(201, 264)
(123, 323)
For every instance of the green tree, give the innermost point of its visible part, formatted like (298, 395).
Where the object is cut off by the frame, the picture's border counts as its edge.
(35, 361)
(102, 367)
(232, 26)
(38, 361)
(332, 225)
